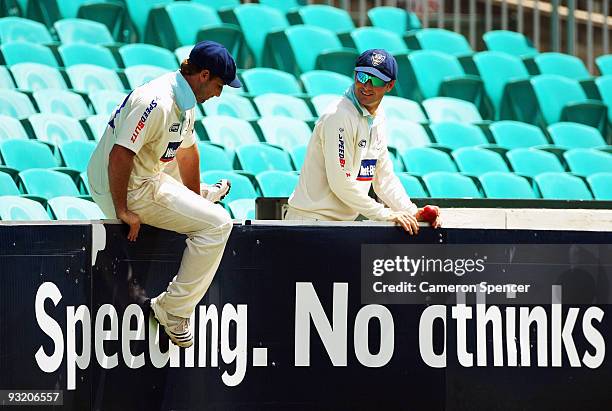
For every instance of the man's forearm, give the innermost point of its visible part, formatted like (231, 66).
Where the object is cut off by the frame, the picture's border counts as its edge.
(189, 167)
(120, 164)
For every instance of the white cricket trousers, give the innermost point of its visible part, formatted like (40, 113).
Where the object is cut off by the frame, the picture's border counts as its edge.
(166, 203)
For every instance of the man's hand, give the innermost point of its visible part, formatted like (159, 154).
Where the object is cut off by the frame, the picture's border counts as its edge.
(406, 220)
(430, 214)
(133, 220)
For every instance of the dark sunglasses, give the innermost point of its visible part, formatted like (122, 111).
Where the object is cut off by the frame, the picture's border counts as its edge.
(364, 77)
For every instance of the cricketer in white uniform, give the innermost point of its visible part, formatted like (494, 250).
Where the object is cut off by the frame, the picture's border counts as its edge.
(129, 179)
(347, 155)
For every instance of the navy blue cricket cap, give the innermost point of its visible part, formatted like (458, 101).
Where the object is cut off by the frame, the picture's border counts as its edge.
(214, 57)
(377, 62)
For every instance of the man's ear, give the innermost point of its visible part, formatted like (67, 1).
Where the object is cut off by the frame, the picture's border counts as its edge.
(390, 86)
(205, 75)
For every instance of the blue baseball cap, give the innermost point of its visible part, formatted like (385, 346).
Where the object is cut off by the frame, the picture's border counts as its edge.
(214, 57)
(377, 62)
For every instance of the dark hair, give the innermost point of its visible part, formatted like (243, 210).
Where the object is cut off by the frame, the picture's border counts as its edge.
(188, 68)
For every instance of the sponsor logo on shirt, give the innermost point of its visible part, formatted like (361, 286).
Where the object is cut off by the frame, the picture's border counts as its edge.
(341, 147)
(143, 120)
(170, 151)
(362, 144)
(366, 170)
(174, 127)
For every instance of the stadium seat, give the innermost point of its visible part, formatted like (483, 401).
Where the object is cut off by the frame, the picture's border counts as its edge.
(47, 183)
(412, 185)
(284, 132)
(601, 185)
(7, 185)
(440, 109)
(6, 82)
(213, 157)
(110, 13)
(13, 208)
(587, 161)
(366, 38)
(509, 42)
(396, 160)
(394, 19)
(321, 102)
(76, 153)
(71, 208)
(441, 40)
(17, 29)
(266, 80)
(25, 154)
(62, 102)
(255, 158)
(478, 161)
(562, 186)
(273, 104)
(232, 105)
(82, 31)
(85, 53)
(105, 101)
(139, 75)
(56, 128)
(33, 76)
(22, 52)
(298, 154)
(318, 82)
(444, 184)
(219, 5)
(87, 78)
(15, 104)
(511, 134)
(403, 109)
(328, 17)
(276, 183)
(604, 86)
(229, 132)
(139, 13)
(403, 134)
(11, 128)
(530, 162)
(181, 53)
(499, 184)
(604, 64)
(574, 135)
(139, 53)
(423, 160)
(456, 135)
(97, 124)
(242, 209)
(563, 65)
(283, 5)
(241, 185)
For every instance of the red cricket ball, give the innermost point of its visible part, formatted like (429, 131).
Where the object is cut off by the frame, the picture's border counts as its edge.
(429, 213)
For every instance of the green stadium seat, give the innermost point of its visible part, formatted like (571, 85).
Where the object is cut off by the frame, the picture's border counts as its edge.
(266, 80)
(25, 154)
(396, 160)
(273, 104)
(393, 18)
(412, 185)
(97, 125)
(71, 208)
(241, 185)
(441, 40)
(108, 12)
(444, 184)
(403, 134)
(7, 185)
(47, 183)
(23, 52)
(87, 78)
(563, 65)
(441, 109)
(84, 183)
(219, 4)
(83, 31)
(56, 128)
(14, 208)
(283, 5)
(366, 38)
(601, 185)
(33, 76)
(562, 186)
(62, 102)
(85, 53)
(511, 134)
(574, 135)
(15, 104)
(318, 82)
(500, 184)
(232, 105)
(139, 53)
(229, 132)
(105, 101)
(298, 155)
(242, 209)
(276, 183)
(139, 13)
(139, 75)
(284, 132)
(6, 81)
(587, 161)
(509, 42)
(11, 128)
(76, 153)
(604, 64)
(255, 158)
(478, 161)
(213, 157)
(403, 109)
(321, 102)
(423, 160)
(531, 162)
(604, 85)
(457, 135)
(328, 17)
(17, 29)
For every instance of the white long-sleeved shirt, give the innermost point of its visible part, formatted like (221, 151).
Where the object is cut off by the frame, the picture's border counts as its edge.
(346, 155)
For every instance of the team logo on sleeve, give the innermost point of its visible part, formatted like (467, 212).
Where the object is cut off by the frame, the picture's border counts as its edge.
(362, 143)
(170, 152)
(174, 128)
(366, 170)
(143, 120)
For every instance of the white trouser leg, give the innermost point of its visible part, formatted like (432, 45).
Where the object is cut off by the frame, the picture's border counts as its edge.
(291, 213)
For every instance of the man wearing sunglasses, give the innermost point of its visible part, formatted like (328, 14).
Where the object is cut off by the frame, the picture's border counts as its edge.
(348, 154)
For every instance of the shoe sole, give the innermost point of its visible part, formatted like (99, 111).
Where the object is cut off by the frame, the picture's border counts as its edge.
(175, 339)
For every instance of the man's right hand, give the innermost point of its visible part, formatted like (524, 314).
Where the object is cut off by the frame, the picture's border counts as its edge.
(133, 220)
(406, 220)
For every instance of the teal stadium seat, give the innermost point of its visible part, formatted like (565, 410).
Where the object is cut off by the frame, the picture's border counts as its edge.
(366, 38)
(478, 161)
(229, 132)
(322, 102)
(219, 5)
(288, 133)
(574, 135)
(403, 109)
(328, 17)
(318, 82)
(56, 128)
(87, 78)
(97, 124)
(139, 75)
(396, 160)
(76, 153)
(22, 52)
(444, 184)
(181, 53)
(499, 184)
(457, 135)
(604, 64)
(47, 183)
(562, 186)
(241, 185)
(11, 128)
(563, 65)
(587, 161)
(441, 109)
(423, 160)
(82, 31)
(255, 158)
(6, 81)
(403, 134)
(511, 134)
(148, 54)
(441, 40)
(15, 104)
(276, 183)
(531, 162)
(109, 12)
(105, 101)
(283, 5)
(85, 53)
(393, 18)
(139, 13)
(13, 208)
(71, 208)
(412, 185)
(17, 29)
(266, 80)
(601, 185)
(509, 42)
(213, 157)
(62, 102)
(298, 154)
(33, 76)
(26, 154)
(232, 105)
(7, 185)
(242, 209)
(604, 85)
(273, 104)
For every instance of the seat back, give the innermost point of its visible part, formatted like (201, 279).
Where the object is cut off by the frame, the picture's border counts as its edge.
(477, 161)
(307, 42)
(431, 68)
(82, 31)
(86, 53)
(441, 109)
(457, 135)
(403, 109)
(22, 52)
(15, 104)
(76, 154)
(17, 29)
(213, 157)
(531, 162)
(403, 134)
(274, 183)
(56, 128)
(285, 132)
(13, 208)
(71, 208)
(140, 53)
(256, 21)
(443, 184)
(563, 65)
(516, 134)
(26, 154)
(562, 186)
(575, 135)
(509, 42)
(229, 132)
(273, 104)
(601, 185)
(318, 82)
(232, 105)
(33, 76)
(266, 80)
(554, 92)
(328, 17)
(256, 158)
(62, 102)
(47, 183)
(423, 160)
(11, 128)
(366, 38)
(587, 161)
(499, 184)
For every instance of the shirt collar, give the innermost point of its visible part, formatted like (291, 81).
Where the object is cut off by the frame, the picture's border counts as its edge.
(185, 99)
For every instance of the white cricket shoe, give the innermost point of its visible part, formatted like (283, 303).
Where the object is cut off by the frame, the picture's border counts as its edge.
(215, 192)
(177, 328)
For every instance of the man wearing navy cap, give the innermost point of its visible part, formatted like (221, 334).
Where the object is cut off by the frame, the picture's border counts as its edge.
(347, 155)
(146, 169)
